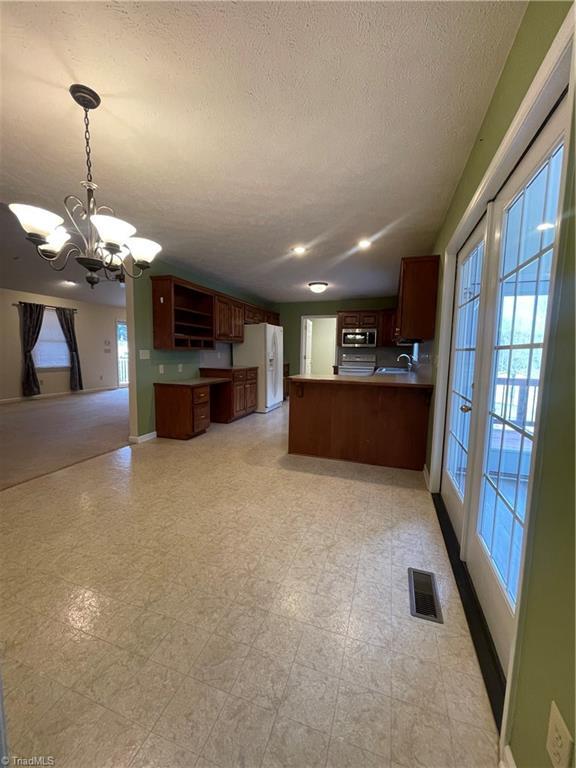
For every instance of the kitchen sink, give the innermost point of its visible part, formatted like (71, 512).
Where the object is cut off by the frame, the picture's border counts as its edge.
(384, 371)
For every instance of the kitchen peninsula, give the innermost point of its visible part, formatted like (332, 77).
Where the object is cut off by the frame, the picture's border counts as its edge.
(380, 419)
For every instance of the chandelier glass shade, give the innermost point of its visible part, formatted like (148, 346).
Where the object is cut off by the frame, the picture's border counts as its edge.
(98, 240)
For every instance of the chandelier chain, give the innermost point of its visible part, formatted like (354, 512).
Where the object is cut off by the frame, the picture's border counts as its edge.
(87, 138)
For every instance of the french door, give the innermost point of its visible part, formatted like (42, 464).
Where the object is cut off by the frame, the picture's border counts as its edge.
(457, 435)
(494, 472)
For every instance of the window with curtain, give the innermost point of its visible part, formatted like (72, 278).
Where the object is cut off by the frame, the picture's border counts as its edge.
(51, 350)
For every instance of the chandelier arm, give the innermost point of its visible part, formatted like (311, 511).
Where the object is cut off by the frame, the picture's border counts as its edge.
(71, 210)
(105, 208)
(135, 275)
(62, 256)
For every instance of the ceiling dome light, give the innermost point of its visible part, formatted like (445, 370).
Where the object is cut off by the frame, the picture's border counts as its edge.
(317, 286)
(299, 250)
(68, 283)
(112, 231)
(36, 221)
(364, 244)
(142, 249)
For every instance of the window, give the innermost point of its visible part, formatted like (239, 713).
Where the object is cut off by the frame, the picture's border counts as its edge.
(51, 350)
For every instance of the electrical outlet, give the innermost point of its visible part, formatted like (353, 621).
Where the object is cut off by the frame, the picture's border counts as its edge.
(144, 354)
(559, 743)
(160, 368)
(180, 368)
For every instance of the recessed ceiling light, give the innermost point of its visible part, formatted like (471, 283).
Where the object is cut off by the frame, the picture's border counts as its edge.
(364, 244)
(317, 286)
(299, 250)
(68, 283)
(544, 226)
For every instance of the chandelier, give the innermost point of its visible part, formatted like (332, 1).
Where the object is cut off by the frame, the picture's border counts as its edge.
(100, 242)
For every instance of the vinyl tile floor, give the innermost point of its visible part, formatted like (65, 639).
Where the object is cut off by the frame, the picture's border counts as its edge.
(219, 603)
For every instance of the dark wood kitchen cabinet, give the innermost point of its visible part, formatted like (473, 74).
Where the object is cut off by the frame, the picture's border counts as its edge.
(386, 329)
(384, 320)
(417, 295)
(182, 409)
(229, 319)
(183, 314)
(239, 398)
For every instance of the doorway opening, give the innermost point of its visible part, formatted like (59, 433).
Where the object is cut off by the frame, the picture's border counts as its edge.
(122, 353)
(318, 345)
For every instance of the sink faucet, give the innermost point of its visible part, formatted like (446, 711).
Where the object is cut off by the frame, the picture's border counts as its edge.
(409, 363)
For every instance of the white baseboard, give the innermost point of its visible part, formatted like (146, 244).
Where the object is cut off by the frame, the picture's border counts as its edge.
(142, 438)
(426, 474)
(507, 758)
(57, 394)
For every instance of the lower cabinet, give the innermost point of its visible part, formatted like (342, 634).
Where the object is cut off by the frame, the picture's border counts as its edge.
(236, 399)
(182, 410)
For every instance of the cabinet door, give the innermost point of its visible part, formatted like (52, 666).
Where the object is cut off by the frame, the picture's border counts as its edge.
(239, 398)
(386, 337)
(253, 314)
(416, 319)
(250, 395)
(223, 312)
(273, 318)
(237, 321)
(369, 319)
(349, 319)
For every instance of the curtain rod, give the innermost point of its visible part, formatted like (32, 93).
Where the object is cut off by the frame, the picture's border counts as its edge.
(46, 306)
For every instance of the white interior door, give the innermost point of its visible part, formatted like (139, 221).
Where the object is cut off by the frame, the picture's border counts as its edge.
(512, 352)
(458, 432)
(306, 361)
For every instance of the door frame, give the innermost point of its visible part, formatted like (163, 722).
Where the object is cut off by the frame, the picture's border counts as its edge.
(303, 319)
(550, 82)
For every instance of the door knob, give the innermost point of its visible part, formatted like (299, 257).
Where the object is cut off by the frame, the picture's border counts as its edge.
(465, 408)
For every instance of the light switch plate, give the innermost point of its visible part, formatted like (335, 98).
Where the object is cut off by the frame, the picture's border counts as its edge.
(144, 354)
(559, 743)
(160, 368)
(180, 369)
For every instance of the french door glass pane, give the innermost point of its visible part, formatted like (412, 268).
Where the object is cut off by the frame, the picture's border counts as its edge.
(463, 359)
(524, 285)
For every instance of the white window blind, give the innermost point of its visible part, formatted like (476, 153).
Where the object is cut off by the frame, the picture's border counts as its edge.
(51, 350)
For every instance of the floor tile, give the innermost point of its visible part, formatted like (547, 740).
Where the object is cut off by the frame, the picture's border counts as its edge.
(310, 698)
(467, 700)
(367, 665)
(160, 753)
(420, 738)
(363, 719)
(189, 717)
(279, 636)
(219, 662)
(371, 627)
(262, 680)
(321, 650)
(344, 755)
(241, 623)
(240, 734)
(143, 697)
(104, 681)
(473, 748)
(293, 745)
(180, 647)
(418, 682)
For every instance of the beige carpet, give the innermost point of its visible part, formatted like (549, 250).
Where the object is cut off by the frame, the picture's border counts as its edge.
(41, 436)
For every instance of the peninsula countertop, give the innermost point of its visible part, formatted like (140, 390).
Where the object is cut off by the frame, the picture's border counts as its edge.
(413, 380)
(197, 381)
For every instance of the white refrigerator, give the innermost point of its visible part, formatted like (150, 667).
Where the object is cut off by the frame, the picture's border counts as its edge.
(263, 347)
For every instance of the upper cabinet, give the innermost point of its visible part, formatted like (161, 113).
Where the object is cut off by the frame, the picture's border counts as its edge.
(417, 293)
(189, 316)
(383, 320)
(229, 319)
(183, 315)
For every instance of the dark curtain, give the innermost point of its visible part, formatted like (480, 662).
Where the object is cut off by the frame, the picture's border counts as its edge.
(31, 316)
(66, 318)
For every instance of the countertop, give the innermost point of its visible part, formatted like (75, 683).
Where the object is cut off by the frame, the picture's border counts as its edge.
(198, 381)
(417, 380)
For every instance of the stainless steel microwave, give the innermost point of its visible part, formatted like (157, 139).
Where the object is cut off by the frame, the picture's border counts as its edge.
(359, 337)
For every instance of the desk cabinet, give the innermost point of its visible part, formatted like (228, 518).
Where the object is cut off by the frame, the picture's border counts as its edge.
(238, 398)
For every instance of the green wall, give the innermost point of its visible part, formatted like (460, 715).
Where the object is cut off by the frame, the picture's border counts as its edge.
(147, 370)
(544, 668)
(291, 314)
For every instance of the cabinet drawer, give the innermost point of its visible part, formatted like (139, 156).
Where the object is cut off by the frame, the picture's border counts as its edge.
(252, 374)
(201, 417)
(201, 395)
(239, 375)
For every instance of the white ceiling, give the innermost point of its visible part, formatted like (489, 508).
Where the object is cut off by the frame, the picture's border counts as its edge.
(232, 131)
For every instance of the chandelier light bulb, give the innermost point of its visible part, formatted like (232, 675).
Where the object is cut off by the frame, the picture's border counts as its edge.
(112, 230)
(142, 249)
(36, 221)
(318, 286)
(55, 240)
(364, 244)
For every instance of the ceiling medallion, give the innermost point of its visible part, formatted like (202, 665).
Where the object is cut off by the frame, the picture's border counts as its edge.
(100, 242)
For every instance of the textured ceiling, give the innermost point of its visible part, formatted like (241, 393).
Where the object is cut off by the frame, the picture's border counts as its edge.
(232, 131)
